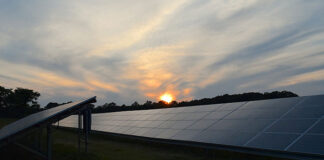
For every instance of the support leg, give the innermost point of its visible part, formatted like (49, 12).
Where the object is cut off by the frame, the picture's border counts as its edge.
(40, 136)
(79, 131)
(86, 129)
(49, 141)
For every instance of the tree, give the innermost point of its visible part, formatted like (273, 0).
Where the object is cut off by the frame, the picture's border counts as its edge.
(4, 93)
(135, 104)
(19, 102)
(148, 103)
(112, 104)
(51, 105)
(54, 104)
(22, 97)
(173, 103)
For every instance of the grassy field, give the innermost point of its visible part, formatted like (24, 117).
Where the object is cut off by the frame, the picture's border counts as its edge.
(104, 147)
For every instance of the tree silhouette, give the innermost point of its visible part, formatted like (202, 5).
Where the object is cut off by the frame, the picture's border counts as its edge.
(19, 102)
(135, 104)
(54, 104)
(226, 98)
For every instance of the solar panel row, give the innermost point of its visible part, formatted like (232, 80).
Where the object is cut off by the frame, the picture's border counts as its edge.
(288, 124)
(39, 117)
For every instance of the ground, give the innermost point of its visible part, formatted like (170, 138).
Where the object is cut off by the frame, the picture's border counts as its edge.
(102, 147)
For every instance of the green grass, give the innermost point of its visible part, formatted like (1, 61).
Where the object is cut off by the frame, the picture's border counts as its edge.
(105, 147)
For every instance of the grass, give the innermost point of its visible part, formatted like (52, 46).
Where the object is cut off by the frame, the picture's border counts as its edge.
(105, 147)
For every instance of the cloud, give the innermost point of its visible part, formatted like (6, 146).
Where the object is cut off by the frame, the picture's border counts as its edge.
(139, 32)
(301, 78)
(122, 53)
(104, 85)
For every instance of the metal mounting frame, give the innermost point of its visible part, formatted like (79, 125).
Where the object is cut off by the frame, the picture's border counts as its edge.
(83, 110)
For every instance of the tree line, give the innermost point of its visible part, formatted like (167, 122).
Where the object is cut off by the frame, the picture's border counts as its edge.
(226, 98)
(21, 102)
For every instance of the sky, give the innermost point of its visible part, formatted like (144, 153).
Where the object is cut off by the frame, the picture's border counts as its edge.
(125, 51)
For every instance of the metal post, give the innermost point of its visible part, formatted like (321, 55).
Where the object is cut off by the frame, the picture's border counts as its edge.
(49, 142)
(35, 139)
(86, 128)
(86, 142)
(40, 134)
(79, 131)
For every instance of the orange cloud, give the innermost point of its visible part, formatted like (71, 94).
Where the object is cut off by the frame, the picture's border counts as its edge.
(59, 80)
(187, 91)
(151, 83)
(104, 85)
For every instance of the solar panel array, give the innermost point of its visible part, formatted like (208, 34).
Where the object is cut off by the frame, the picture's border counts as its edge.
(39, 117)
(287, 124)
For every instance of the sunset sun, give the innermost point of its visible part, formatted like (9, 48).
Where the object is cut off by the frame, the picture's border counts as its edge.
(166, 98)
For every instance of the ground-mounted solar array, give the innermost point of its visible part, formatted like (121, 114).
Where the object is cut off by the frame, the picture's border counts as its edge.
(287, 124)
(34, 119)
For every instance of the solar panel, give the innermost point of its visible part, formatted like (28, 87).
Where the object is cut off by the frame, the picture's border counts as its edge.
(224, 137)
(318, 128)
(291, 125)
(42, 116)
(286, 124)
(274, 141)
(167, 133)
(309, 144)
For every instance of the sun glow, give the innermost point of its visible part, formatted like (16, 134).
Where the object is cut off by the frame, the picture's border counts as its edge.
(166, 98)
